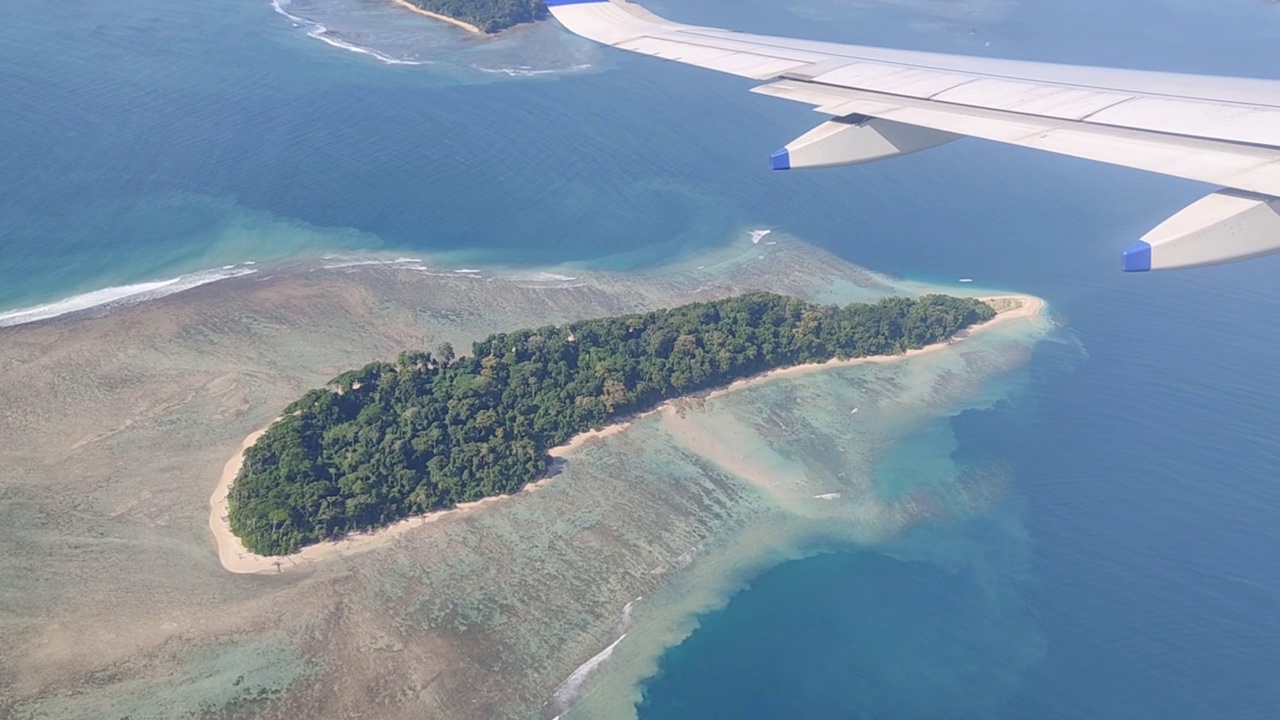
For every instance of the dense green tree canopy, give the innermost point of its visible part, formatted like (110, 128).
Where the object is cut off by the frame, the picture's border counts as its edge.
(392, 440)
(490, 16)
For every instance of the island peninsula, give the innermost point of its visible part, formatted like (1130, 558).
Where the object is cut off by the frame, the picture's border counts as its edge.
(429, 432)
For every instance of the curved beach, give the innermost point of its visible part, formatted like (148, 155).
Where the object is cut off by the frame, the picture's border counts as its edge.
(437, 16)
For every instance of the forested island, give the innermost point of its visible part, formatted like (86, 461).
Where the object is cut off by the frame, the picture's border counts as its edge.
(487, 16)
(393, 440)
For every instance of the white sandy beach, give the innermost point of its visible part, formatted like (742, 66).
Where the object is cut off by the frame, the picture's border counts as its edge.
(238, 559)
(443, 18)
(1015, 307)
(581, 439)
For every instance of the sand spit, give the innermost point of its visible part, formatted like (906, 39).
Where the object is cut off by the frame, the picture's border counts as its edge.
(437, 16)
(236, 558)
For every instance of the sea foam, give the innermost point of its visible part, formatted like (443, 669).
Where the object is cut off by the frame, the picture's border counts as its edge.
(327, 36)
(528, 71)
(119, 296)
(337, 262)
(568, 690)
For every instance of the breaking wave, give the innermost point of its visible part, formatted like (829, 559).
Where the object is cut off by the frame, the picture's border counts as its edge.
(337, 262)
(568, 690)
(325, 35)
(530, 279)
(119, 296)
(564, 695)
(529, 71)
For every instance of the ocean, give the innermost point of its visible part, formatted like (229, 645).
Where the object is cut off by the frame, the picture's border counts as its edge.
(1127, 571)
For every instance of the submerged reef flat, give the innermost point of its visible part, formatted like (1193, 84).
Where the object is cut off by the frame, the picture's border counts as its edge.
(118, 424)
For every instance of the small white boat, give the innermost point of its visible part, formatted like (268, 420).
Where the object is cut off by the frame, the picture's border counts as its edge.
(966, 280)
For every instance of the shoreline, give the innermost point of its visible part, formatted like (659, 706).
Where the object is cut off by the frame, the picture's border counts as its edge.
(1029, 306)
(437, 16)
(236, 558)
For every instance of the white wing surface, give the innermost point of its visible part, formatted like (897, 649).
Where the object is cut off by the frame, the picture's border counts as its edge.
(882, 102)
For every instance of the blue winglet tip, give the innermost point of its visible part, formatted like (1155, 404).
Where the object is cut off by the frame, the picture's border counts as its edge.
(781, 160)
(1137, 257)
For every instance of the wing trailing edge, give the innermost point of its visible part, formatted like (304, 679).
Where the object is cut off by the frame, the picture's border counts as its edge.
(884, 102)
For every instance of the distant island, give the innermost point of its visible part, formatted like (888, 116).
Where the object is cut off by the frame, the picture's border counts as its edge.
(481, 16)
(394, 440)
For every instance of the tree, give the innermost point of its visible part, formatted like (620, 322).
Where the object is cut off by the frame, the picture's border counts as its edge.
(445, 351)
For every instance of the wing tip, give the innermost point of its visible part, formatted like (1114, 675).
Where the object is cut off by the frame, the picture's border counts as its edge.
(1137, 257)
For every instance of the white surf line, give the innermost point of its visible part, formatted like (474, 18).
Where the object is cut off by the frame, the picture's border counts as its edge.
(119, 295)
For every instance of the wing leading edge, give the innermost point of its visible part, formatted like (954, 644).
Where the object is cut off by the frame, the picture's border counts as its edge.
(883, 102)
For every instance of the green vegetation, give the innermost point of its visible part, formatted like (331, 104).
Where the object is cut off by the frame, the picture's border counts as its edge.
(392, 440)
(490, 16)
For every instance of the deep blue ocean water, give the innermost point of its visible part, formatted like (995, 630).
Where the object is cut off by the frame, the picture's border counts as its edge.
(1130, 572)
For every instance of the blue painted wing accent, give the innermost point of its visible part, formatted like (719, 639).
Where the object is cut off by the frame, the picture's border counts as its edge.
(781, 160)
(553, 3)
(1137, 257)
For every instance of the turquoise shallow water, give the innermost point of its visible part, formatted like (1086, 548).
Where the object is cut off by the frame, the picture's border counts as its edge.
(1129, 569)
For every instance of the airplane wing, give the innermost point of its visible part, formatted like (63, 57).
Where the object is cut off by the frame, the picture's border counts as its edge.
(882, 102)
